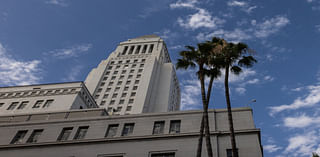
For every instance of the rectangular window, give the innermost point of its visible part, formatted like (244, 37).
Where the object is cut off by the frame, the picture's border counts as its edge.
(37, 104)
(132, 71)
(138, 49)
(126, 88)
(129, 108)
(121, 77)
(105, 78)
(19, 137)
(175, 126)
(102, 84)
(151, 48)
(121, 101)
(65, 133)
(103, 103)
(34, 137)
(114, 95)
(118, 66)
(123, 71)
(140, 70)
(13, 106)
(109, 67)
(124, 50)
(128, 61)
(119, 83)
(131, 50)
(96, 96)
(124, 95)
(158, 127)
(47, 103)
(136, 82)
(112, 130)
(1, 104)
(108, 72)
(133, 65)
(141, 65)
(131, 101)
(115, 72)
(110, 83)
(117, 89)
(127, 129)
(229, 152)
(112, 62)
(171, 154)
(133, 94)
(135, 88)
(139, 75)
(23, 105)
(128, 82)
(105, 96)
(130, 76)
(135, 61)
(119, 62)
(81, 133)
(143, 60)
(126, 66)
(112, 102)
(108, 90)
(144, 49)
(113, 77)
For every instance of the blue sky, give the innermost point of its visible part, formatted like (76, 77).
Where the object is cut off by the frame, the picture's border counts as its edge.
(47, 41)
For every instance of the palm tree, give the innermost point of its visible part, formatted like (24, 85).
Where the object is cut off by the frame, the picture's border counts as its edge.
(232, 58)
(315, 155)
(200, 58)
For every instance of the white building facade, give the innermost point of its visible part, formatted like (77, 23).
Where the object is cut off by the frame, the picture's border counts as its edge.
(138, 77)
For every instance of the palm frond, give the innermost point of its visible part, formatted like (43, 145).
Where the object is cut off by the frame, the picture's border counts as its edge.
(247, 61)
(236, 70)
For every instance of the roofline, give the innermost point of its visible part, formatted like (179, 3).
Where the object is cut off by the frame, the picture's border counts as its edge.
(43, 84)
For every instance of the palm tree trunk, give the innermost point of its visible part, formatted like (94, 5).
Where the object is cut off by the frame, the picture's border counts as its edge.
(232, 136)
(199, 149)
(205, 115)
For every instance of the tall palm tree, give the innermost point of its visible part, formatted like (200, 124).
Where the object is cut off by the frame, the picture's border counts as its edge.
(315, 155)
(232, 58)
(192, 58)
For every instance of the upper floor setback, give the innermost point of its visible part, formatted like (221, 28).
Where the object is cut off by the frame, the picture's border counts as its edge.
(45, 98)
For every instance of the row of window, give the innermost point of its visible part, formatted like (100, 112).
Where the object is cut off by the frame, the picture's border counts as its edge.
(152, 154)
(123, 71)
(125, 66)
(121, 77)
(127, 61)
(127, 130)
(23, 104)
(36, 92)
(139, 49)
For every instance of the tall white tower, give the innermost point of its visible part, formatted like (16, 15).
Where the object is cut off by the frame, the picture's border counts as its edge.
(137, 77)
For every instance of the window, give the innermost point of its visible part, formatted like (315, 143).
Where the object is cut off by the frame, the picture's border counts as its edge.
(1, 104)
(158, 127)
(119, 62)
(131, 101)
(125, 66)
(133, 65)
(110, 83)
(126, 88)
(128, 61)
(143, 60)
(132, 71)
(112, 62)
(118, 66)
(144, 49)
(124, 95)
(105, 78)
(136, 82)
(133, 94)
(96, 96)
(130, 76)
(112, 130)
(99, 90)
(103, 103)
(65, 133)
(139, 75)
(22, 105)
(81, 133)
(124, 50)
(135, 61)
(141, 65)
(128, 82)
(151, 48)
(121, 77)
(47, 103)
(105, 96)
(175, 126)
(121, 101)
(229, 152)
(34, 137)
(127, 129)
(108, 72)
(138, 49)
(112, 102)
(171, 154)
(113, 77)
(140, 70)
(129, 108)
(115, 72)
(13, 105)
(108, 90)
(114, 95)
(131, 50)
(117, 89)
(37, 104)
(135, 88)
(109, 67)
(19, 137)
(123, 71)
(119, 83)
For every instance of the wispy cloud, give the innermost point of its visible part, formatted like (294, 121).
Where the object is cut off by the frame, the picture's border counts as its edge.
(190, 93)
(15, 72)
(184, 4)
(270, 26)
(310, 99)
(73, 51)
(61, 3)
(245, 6)
(301, 121)
(271, 148)
(317, 28)
(73, 73)
(303, 144)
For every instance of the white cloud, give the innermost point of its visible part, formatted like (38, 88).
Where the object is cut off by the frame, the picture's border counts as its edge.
(300, 121)
(235, 35)
(74, 73)
(190, 94)
(15, 72)
(73, 51)
(61, 3)
(317, 28)
(302, 145)
(268, 78)
(184, 4)
(202, 18)
(270, 26)
(245, 6)
(312, 98)
(241, 90)
(246, 73)
(271, 148)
